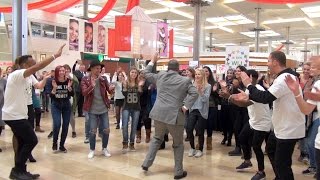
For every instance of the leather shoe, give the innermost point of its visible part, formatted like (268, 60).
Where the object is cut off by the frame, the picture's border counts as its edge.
(184, 174)
(145, 168)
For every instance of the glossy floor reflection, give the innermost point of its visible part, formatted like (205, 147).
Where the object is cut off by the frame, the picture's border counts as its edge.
(214, 164)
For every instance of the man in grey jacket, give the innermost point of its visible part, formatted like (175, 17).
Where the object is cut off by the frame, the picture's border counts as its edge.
(168, 111)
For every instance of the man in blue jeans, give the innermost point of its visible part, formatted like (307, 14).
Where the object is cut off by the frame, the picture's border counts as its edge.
(15, 111)
(94, 89)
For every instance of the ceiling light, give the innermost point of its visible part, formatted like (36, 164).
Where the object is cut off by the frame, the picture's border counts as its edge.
(232, 1)
(94, 8)
(268, 33)
(157, 11)
(170, 4)
(184, 14)
(283, 21)
(235, 18)
(216, 19)
(226, 29)
(189, 38)
(245, 21)
(211, 27)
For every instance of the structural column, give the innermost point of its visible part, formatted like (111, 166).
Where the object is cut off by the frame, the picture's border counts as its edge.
(19, 28)
(196, 33)
(269, 45)
(287, 43)
(85, 9)
(318, 48)
(257, 30)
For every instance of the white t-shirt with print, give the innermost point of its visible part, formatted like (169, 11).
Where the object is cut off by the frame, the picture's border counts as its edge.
(316, 103)
(31, 81)
(259, 114)
(287, 120)
(16, 97)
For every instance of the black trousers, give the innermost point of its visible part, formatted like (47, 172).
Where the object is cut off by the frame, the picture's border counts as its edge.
(318, 163)
(26, 138)
(144, 119)
(37, 114)
(31, 115)
(80, 103)
(240, 120)
(280, 154)
(212, 120)
(227, 116)
(252, 138)
(196, 121)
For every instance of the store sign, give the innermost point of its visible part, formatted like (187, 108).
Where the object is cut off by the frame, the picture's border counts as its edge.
(237, 56)
(106, 58)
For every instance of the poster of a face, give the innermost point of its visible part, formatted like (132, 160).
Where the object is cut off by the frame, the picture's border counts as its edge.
(73, 35)
(162, 38)
(101, 39)
(88, 37)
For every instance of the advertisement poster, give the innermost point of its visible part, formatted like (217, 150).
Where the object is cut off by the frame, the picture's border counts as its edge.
(88, 37)
(101, 39)
(162, 39)
(237, 56)
(73, 35)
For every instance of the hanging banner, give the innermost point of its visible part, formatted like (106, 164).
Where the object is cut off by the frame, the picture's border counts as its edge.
(111, 42)
(88, 37)
(171, 39)
(221, 68)
(101, 39)
(237, 56)
(162, 38)
(73, 35)
(123, 33)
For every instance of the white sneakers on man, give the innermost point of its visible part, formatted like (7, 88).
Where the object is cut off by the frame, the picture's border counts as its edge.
(198, 154)
(192, 152)
(91, 154)
(106, 152)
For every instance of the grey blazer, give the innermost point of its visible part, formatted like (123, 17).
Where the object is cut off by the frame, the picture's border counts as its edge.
(172, 89)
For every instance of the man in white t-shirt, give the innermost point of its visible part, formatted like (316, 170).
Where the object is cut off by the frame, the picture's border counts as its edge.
(306, 107)
(15, 111)
(255, 130)
(287, 120)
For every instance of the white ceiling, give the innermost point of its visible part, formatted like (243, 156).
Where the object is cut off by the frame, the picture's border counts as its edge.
(232, 28)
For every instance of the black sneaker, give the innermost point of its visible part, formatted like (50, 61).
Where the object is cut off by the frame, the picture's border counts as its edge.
(184, 174)
(235, 152)
(244, 166)
(50, 135)
(63, 149)
(259, 176)
(309, 171)
(33, 176)
(16, 174)
(54, 147)
(117, 127)
(74, 134)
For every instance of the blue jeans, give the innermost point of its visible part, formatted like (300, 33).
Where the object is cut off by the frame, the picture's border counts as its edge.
(87, 125)
(58, 109)
(312, 133)
(125, 120)
(103, 121)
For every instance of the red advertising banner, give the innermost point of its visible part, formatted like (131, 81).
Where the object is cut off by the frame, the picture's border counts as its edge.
(123, 33)
(111, 42)
(171, 38)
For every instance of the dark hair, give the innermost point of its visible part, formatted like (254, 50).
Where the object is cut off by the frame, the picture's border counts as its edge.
(280, 57)
(211, 80)
(73, 20)
(173, 65)
(242, 68)
(253, 73)
(193, 72)
(66, 66)
(56, 73)
(89, 24)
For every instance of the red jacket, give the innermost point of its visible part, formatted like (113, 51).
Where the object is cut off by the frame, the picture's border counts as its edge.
(88, 92)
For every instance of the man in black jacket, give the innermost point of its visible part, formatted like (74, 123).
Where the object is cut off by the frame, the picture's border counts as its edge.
(79, 74)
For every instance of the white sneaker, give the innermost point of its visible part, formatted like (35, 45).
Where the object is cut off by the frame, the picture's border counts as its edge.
(86, 141)
(106, 152)
(198, 154)
(91, 154)
(192, 152)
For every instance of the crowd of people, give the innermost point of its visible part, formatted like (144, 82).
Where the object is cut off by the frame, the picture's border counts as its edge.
(277, 109)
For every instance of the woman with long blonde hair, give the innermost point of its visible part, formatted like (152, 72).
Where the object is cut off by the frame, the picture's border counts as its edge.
(199, 112)
(131, 89)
